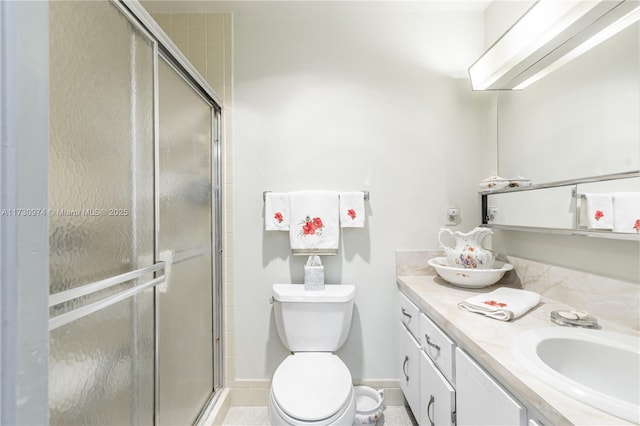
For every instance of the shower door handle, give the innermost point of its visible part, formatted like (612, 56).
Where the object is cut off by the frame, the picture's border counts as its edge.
(83, 311)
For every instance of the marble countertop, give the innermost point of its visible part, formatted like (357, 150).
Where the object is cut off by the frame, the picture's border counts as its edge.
(489, 341)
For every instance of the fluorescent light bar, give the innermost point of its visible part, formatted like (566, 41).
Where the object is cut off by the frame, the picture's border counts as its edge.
(548, 31)
(627, 20)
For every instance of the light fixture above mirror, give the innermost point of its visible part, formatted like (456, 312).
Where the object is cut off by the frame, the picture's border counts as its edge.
(550, 34)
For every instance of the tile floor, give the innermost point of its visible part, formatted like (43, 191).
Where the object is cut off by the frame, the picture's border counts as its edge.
(242, 416)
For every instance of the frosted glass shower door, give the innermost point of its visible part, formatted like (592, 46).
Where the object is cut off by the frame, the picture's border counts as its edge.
(101, 217)
(185, 358)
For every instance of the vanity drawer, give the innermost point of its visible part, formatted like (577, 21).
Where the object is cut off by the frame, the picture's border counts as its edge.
(438, 346)
(409, 315)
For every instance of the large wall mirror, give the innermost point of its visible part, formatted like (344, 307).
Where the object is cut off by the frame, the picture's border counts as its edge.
(577, 124)
(581, 120)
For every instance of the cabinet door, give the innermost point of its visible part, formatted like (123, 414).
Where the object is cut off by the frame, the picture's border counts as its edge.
(437, 397)
(480, 400)
(409, 369)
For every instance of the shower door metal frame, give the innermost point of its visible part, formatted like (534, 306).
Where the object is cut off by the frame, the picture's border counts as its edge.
(24, 245)
(163, 46)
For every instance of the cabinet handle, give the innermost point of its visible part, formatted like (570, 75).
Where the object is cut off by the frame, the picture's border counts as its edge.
(433, 345)
(404, 366)
(431, 401)
(405, 313)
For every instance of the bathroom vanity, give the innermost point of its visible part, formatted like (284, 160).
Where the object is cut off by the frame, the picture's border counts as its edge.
(456, 367)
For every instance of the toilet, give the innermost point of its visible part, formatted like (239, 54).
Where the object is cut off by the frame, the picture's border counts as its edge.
(312, 386)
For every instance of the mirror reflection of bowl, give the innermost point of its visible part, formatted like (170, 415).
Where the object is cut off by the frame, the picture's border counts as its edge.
(469, 278)
(493, 184)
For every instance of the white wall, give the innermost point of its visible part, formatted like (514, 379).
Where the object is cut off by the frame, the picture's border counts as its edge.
(500, 15)
(348, 101)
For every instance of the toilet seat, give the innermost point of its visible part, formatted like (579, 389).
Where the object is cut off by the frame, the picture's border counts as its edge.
(312, 387)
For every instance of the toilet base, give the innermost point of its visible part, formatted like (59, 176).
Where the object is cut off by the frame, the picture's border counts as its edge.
(346, 417)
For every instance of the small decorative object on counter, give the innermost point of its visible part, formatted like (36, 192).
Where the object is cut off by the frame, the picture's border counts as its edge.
(468, 252)
(469, 278)
(519, 182)
(493, 182)
(574, 319)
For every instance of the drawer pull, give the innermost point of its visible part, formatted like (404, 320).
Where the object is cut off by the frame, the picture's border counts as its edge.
(431, 401)
(404, 312)
(433, 345)
(404, 367)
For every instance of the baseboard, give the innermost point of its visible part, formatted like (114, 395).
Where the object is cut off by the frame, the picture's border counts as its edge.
(256, 392)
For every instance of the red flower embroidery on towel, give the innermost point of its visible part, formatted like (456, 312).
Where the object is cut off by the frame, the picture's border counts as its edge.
(494, 303)
(311, 226)
(278, 217)
(636, 226)
(351, 213)
(599, 214)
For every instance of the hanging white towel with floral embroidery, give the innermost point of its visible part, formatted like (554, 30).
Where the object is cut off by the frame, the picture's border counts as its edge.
(314, 225)
(352, 209)
(276, 211)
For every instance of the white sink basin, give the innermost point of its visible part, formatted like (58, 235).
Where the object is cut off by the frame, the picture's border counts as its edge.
(596, 367)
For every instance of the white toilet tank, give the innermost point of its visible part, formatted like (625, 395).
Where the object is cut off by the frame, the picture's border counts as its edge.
(313, 321)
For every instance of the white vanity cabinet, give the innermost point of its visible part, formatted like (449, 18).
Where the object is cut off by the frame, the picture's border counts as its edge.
(481, 400)
(437, 396)
(451, 387)
(426, 358)
(409, 354)
(409, 366)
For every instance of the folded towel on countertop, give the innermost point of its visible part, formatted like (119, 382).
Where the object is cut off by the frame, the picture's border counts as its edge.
(314, 222)
(352, 209)
(626, 211)
(503, 303)
(599, 211)
(276, 211)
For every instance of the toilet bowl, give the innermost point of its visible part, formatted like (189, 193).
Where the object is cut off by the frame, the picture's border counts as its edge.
(312, 386)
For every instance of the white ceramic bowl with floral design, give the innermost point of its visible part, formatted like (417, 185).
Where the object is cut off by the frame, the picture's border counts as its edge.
(469, 278)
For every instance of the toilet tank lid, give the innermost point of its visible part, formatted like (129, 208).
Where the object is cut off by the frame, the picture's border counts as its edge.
(297, 293)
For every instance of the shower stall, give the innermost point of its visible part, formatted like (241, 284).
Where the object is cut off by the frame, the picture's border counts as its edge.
(134, 223)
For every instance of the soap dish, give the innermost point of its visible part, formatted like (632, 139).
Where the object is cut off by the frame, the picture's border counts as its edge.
(568, 319)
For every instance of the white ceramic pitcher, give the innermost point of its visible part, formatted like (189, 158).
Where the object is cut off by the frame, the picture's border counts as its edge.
(468, 252)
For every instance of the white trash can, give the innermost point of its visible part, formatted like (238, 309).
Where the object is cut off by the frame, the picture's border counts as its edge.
(368, 405)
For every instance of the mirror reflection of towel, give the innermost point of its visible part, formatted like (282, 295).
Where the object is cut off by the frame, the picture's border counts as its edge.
(599, 211)
(626, 211)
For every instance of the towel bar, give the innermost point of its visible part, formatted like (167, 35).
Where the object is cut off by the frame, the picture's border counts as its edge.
(366, 195)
